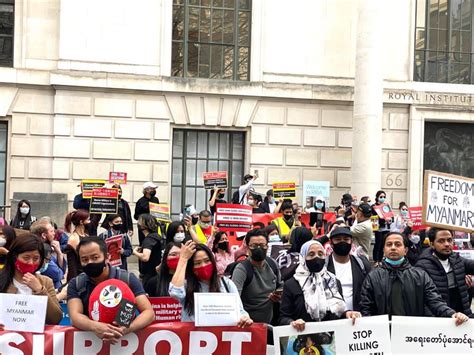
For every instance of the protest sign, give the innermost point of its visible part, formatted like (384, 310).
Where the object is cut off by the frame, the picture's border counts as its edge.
(160, 211)
(166, 309)
(233, 218)
(284, 190)
(416, 216)
(448, 201)
(466, 254)
(104, 200)
(384, 211)
(429, 335)
(216, 309)
(114, 245)
(89, 184)
(165, 338)
(117, 178)
(23, 312)
(368, 336)
(215, 179)
(316, 188)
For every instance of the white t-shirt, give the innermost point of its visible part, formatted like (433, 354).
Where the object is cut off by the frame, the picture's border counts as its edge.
(22, 288)
(446, 265)
(344, 275)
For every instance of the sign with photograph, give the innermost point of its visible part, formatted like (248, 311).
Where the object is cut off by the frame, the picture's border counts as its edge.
(114, 245)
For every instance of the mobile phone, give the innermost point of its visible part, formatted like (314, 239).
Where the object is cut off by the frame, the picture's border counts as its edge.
(255, 172)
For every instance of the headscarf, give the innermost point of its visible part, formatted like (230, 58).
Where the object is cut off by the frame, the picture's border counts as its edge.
(320, 291)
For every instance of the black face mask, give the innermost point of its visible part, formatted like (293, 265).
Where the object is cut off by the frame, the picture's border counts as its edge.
(223, 245)
(153, 193)
(221, 195)
(441, 256)
(315, 265)
(342, 248)
(258, 254)
(288, 217)
(94, 269)
(117, 227)
(194, 220)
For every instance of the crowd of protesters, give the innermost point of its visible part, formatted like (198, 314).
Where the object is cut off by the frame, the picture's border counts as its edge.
(330, 270)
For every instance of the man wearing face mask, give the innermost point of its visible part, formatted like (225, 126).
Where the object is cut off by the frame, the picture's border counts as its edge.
(124, 212)
(287, 222)
(203, 228)
(258, 278)
(143, 204)
(362, 228)
(349, 269)
(93, 257)
(448, 270)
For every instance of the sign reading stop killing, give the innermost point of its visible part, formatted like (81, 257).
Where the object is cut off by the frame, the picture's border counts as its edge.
(448, 201)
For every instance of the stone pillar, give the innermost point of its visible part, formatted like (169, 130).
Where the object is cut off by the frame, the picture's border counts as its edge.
(368, 101)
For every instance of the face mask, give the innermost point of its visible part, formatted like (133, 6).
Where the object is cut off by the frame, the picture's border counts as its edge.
(315, 264)
(395, 262)
(117, 227)
(194, 220)
(25, 268)
(271, 200)
(342, 248)
(404, 213)
(153, 193)
(288, 217)
(3, 241)
(381, 199)
(172, 263)
(415, 239)
(251, 202)
(441, 256)
(258, 254)
(221, 195)
(179, 237)
(274, 238)
(24, 210)
(94, 269)
(204, 225)
(204, 272)
(318, 205)
(120, 196)
(44, 268)
(223, 245)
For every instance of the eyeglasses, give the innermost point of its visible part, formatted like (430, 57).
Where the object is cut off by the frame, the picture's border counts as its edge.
(255, 246)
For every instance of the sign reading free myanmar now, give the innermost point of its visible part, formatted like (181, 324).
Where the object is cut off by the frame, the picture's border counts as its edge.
(23, 312)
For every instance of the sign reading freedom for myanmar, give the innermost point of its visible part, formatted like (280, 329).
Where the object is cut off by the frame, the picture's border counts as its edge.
(448, 201)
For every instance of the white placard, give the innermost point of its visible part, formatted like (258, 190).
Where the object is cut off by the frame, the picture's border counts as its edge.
(216, 309)
(369, 335)
(423, 335)
(25, 313)
(315, 189)
(466, 254)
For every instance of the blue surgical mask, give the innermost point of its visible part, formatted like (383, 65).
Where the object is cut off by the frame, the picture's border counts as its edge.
(381, 199)
(318, 205)
(43, 268)
(275, 238)
(404, 213)
(395, 262)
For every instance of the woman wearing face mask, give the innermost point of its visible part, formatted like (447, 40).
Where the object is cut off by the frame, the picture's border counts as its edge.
(50, 268)
(7, 236)
(116, 227)
(123, 211)
(254, 200)
(318, 206)
(273, 237)
(149, 252)
(217, 196)
(176, 233)
(23, 218)
(76, 225)
(403, 224)
(158, 285)
(221, 250)
(197, 272)
(19, 275)
(384, 228)
(313, 294)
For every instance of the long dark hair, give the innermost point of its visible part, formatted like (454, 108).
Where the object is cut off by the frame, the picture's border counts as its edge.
(9, 234)
(23, 244)
(217, 239)
(27, 219)
(164, 276)
(172, 229)
(193, 285)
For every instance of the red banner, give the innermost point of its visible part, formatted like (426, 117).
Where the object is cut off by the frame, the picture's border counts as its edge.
(416, 214)
(166, 309)
(163, 339)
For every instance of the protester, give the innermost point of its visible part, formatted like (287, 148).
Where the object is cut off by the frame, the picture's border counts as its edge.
(287, 222)
(318, 206)
(221, 250)
(23, 218)
(397, 288)
(361, 229)
(124, 213)
(240, 196)
(258, 279)
(273, 237)
(313, 294)
(254, 201)
(24, 259)
(50, 268)
(384, 228)
(197, 272)
(142, 206)
(158, 285)
(7, 236)
(448, 270)
(203, 228)
(217, 196)
(345, 208)
(78, 220)
(176, 233)
(93, 255)
(115, 227)
(288, 260)
(401, 221)
(81, 203)
(268, 204)
(149, 252)
(350, 270)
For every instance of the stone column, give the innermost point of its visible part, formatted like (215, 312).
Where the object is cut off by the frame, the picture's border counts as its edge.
(368, 100)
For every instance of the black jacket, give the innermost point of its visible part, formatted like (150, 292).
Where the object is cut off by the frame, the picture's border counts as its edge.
(126, 215)
(460, 267)
(419, 292)
(142, 206)
(360, 269)
(293, 306)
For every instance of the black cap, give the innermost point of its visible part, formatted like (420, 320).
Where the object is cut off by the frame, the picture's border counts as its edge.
(365, 209)
(341, 231)
(248, 177)
(270, 192)
(347, 197)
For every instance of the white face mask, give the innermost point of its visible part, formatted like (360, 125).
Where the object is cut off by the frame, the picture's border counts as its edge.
(178, 237)
(415, 239)
(204, 224)
(3, 241)
(274, 238)
(24, 210)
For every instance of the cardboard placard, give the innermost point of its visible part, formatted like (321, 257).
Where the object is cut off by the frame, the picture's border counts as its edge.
(284, 190)
(90, 184)
(166, 309)
(384, 211)
(23, 312)
(117, 178)
(215, 179)
(416, 216)
(104, 200)
(160, 211)
(114, 244)
(448, 201)
(233, 218)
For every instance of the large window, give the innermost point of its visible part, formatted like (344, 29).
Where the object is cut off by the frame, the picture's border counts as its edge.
(195, 152)
(6, 32)
(444, 41)
(211, 39)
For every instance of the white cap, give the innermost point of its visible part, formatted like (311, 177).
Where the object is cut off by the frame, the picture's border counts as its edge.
(149, 184)
(320, 198)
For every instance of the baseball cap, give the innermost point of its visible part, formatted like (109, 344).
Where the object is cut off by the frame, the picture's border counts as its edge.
(341, 231)
(149, 184)
(365, 209)
(248, 177)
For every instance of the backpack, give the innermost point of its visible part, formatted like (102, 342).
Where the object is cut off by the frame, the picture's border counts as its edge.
(249, 269)
(81, 284)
